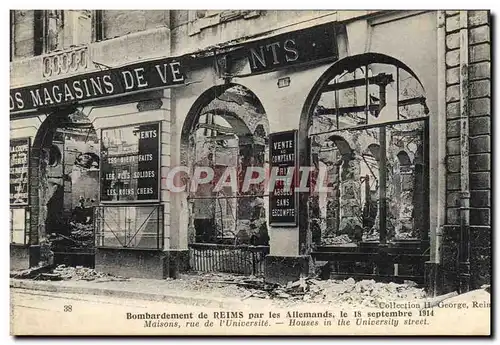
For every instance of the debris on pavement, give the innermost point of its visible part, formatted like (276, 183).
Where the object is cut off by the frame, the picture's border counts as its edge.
(30, 273)
(364, 292)
(84, 273)
(306, 289)
(63, 272)
(370, 293)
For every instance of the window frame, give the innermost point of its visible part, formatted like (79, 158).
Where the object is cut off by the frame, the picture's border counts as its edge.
(382, 207)
(26, 229)
(100, 221)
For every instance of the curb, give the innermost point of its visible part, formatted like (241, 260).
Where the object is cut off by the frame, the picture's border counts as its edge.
(97, 291)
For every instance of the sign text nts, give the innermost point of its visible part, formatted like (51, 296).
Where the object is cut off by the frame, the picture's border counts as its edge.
(308, 45)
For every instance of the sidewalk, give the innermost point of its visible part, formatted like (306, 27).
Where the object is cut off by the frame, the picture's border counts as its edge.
(225, 290)
(187, 290)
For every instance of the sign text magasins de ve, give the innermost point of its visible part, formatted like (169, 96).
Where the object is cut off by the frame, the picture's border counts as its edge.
(111, 82)
(315, 44)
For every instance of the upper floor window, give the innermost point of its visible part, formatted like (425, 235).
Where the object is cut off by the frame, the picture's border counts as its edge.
(201, 19)
(36, 32)
(57, 29)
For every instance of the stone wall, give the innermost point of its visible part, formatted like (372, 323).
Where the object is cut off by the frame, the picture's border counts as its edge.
(122, 22)
(479, 112)
(24, 34)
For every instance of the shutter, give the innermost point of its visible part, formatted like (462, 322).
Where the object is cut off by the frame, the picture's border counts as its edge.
(39, 32)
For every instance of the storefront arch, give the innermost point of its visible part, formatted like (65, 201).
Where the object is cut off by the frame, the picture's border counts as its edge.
(230, 119)
(42, 140)
(194, 114)
(378, 103)
(339, 67)
(51, 207)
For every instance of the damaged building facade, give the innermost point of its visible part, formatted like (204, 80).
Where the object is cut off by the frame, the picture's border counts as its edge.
(393, 105)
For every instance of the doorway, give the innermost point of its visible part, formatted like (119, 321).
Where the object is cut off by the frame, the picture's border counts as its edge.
(66, 161)
(226, 131)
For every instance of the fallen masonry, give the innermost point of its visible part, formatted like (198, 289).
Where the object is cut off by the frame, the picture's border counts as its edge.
(364, 292)
(63, 272)
(307, 289)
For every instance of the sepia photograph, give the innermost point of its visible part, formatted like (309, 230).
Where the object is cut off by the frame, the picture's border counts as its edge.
(250, 172)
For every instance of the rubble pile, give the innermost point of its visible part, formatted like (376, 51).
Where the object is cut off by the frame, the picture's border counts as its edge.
(305, 289)
(371, 236)
(84, 273)
(30, 273)
(63, 272)
(365, 292)
(302, 289)
(404, 236)
(82, 234)
(342, 239)
(370, 293)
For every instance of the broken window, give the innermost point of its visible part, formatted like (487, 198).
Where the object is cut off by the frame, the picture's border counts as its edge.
(61, 29)
(69, 183)
(370, 130)
(229, 137)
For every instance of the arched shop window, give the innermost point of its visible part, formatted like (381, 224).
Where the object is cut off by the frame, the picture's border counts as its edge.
(228, 134)
(369, 126)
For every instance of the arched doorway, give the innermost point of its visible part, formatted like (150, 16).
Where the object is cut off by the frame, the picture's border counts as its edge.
(360, 115)
(65, 180)
(226, 131)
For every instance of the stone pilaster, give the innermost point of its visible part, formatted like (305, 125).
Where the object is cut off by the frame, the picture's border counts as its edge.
(479, 134)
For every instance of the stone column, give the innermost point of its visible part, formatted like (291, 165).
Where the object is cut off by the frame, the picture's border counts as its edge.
(250, 210)
(406, 208)
(350, 210)
(244, 205)
(331, 220)
(418, 195)
(333, 201)
(314, 212)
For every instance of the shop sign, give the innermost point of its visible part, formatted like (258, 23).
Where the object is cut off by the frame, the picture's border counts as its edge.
(19, 171)
(316, 44)
(112, 82)
(130, 163)
(283, 160)
(293, 48)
